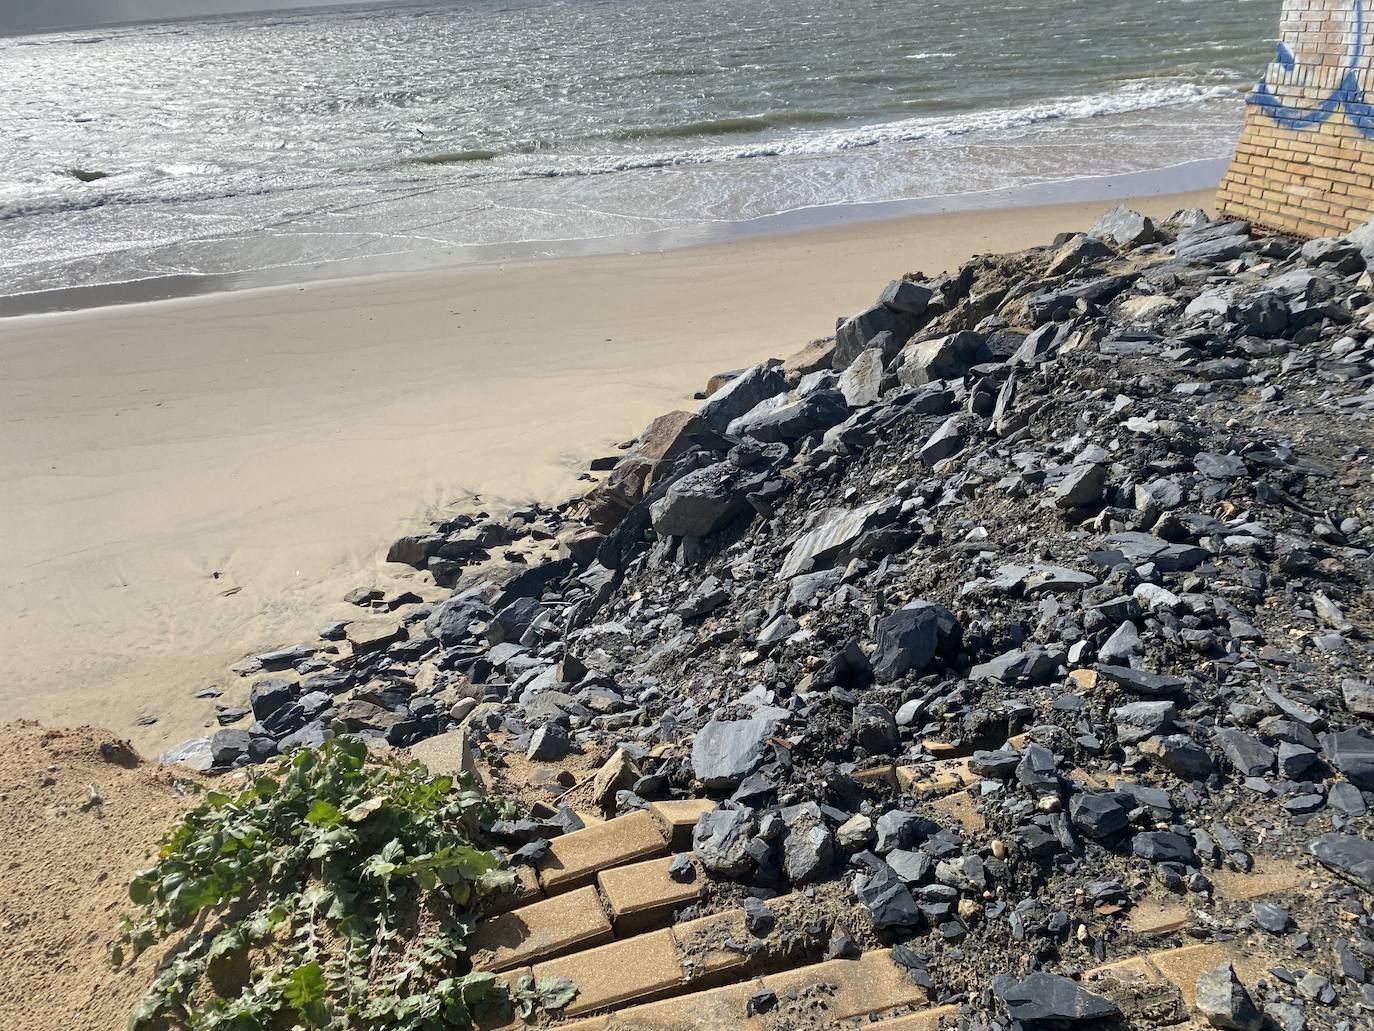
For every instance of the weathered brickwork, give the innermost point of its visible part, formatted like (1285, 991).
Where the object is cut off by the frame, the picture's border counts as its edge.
(1305, 160)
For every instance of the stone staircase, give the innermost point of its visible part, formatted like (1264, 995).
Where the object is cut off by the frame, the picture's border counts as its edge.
(599, 910)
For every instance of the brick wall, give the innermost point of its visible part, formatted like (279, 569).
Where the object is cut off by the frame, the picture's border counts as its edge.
(1305, 160)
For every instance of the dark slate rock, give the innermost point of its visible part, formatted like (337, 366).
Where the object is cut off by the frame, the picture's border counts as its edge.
(703, 500)
(720, 841)
(1047, 1000)
(1098, 814)
(1163, 847)
(1224, 1002)
(858, 334)
(1349, 856)
(681, 869)
(1038, 771)
(1125, 228)
(285, 658)
(948, 440)
(1083, 486)
(1219, 467)
(900, 828)
(1140, 548)
(942, 358)
(875, 730)
(226, 746)
(724, 752)
(312, 735)
(1358, 696)
(1352, 753)
(902, 295)
(1247, 754)
(452, 621)
(1139, 720)
(808, 854)
(1272, 917)
(889, 901)
(532, 582)
(229, 714)
(1180, 755)
(267, 696)
(549, 744)
(911, 867)
(1141, 681)
(758, 918)
(414, 550)
(510, 624)
(999, 765)
(908, 639)
(1031, 665)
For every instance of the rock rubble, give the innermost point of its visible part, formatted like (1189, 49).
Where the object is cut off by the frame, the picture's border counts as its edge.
(1076, 540)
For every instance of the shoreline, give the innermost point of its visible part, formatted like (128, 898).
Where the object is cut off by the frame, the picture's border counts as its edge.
(1184, 177)
(202, 479)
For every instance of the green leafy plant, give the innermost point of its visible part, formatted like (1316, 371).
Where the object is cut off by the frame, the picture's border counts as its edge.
(336, 890)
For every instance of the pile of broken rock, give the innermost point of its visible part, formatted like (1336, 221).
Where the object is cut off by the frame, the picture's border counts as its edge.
(1040, 589)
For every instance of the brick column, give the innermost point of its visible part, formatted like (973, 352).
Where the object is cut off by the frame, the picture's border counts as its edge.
(1305, 160)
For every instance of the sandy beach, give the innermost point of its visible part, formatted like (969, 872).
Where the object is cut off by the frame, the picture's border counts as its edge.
(187, 482)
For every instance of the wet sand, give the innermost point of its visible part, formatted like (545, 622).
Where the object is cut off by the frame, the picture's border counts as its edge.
(187, 482)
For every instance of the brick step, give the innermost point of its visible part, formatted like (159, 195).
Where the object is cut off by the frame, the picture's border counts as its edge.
(574, 860)
(571, 935)
(1168, 968)
(835, 991)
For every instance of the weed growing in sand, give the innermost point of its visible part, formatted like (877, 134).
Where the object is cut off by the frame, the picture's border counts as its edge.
(336, 890)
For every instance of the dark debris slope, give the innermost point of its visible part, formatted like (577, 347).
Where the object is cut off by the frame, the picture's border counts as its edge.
(1094, 516)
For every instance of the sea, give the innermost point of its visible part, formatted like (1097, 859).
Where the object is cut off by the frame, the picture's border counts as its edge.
(285, 146)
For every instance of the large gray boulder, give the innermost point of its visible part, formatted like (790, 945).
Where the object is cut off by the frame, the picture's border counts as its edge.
(1125, 228)
(863, 382)
(906, 297)
(947, 357)
(742, 395)
(702, 501)
(790, 421)
(853, 336)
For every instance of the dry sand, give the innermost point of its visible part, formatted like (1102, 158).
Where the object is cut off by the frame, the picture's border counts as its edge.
(76, 822)
(188, 482)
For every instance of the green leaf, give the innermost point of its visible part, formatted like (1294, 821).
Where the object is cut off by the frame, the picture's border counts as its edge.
(141, 888)
(301, 855)
(323, 814)
(555, 992)
(147, 1012)
(305, 990)
(364, 809)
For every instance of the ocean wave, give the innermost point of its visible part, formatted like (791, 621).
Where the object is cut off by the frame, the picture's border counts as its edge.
(458, 157)
(1129, 98)
(194, 182)
(724, 126)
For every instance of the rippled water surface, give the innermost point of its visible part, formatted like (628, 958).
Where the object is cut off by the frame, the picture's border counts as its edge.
(299, 140)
